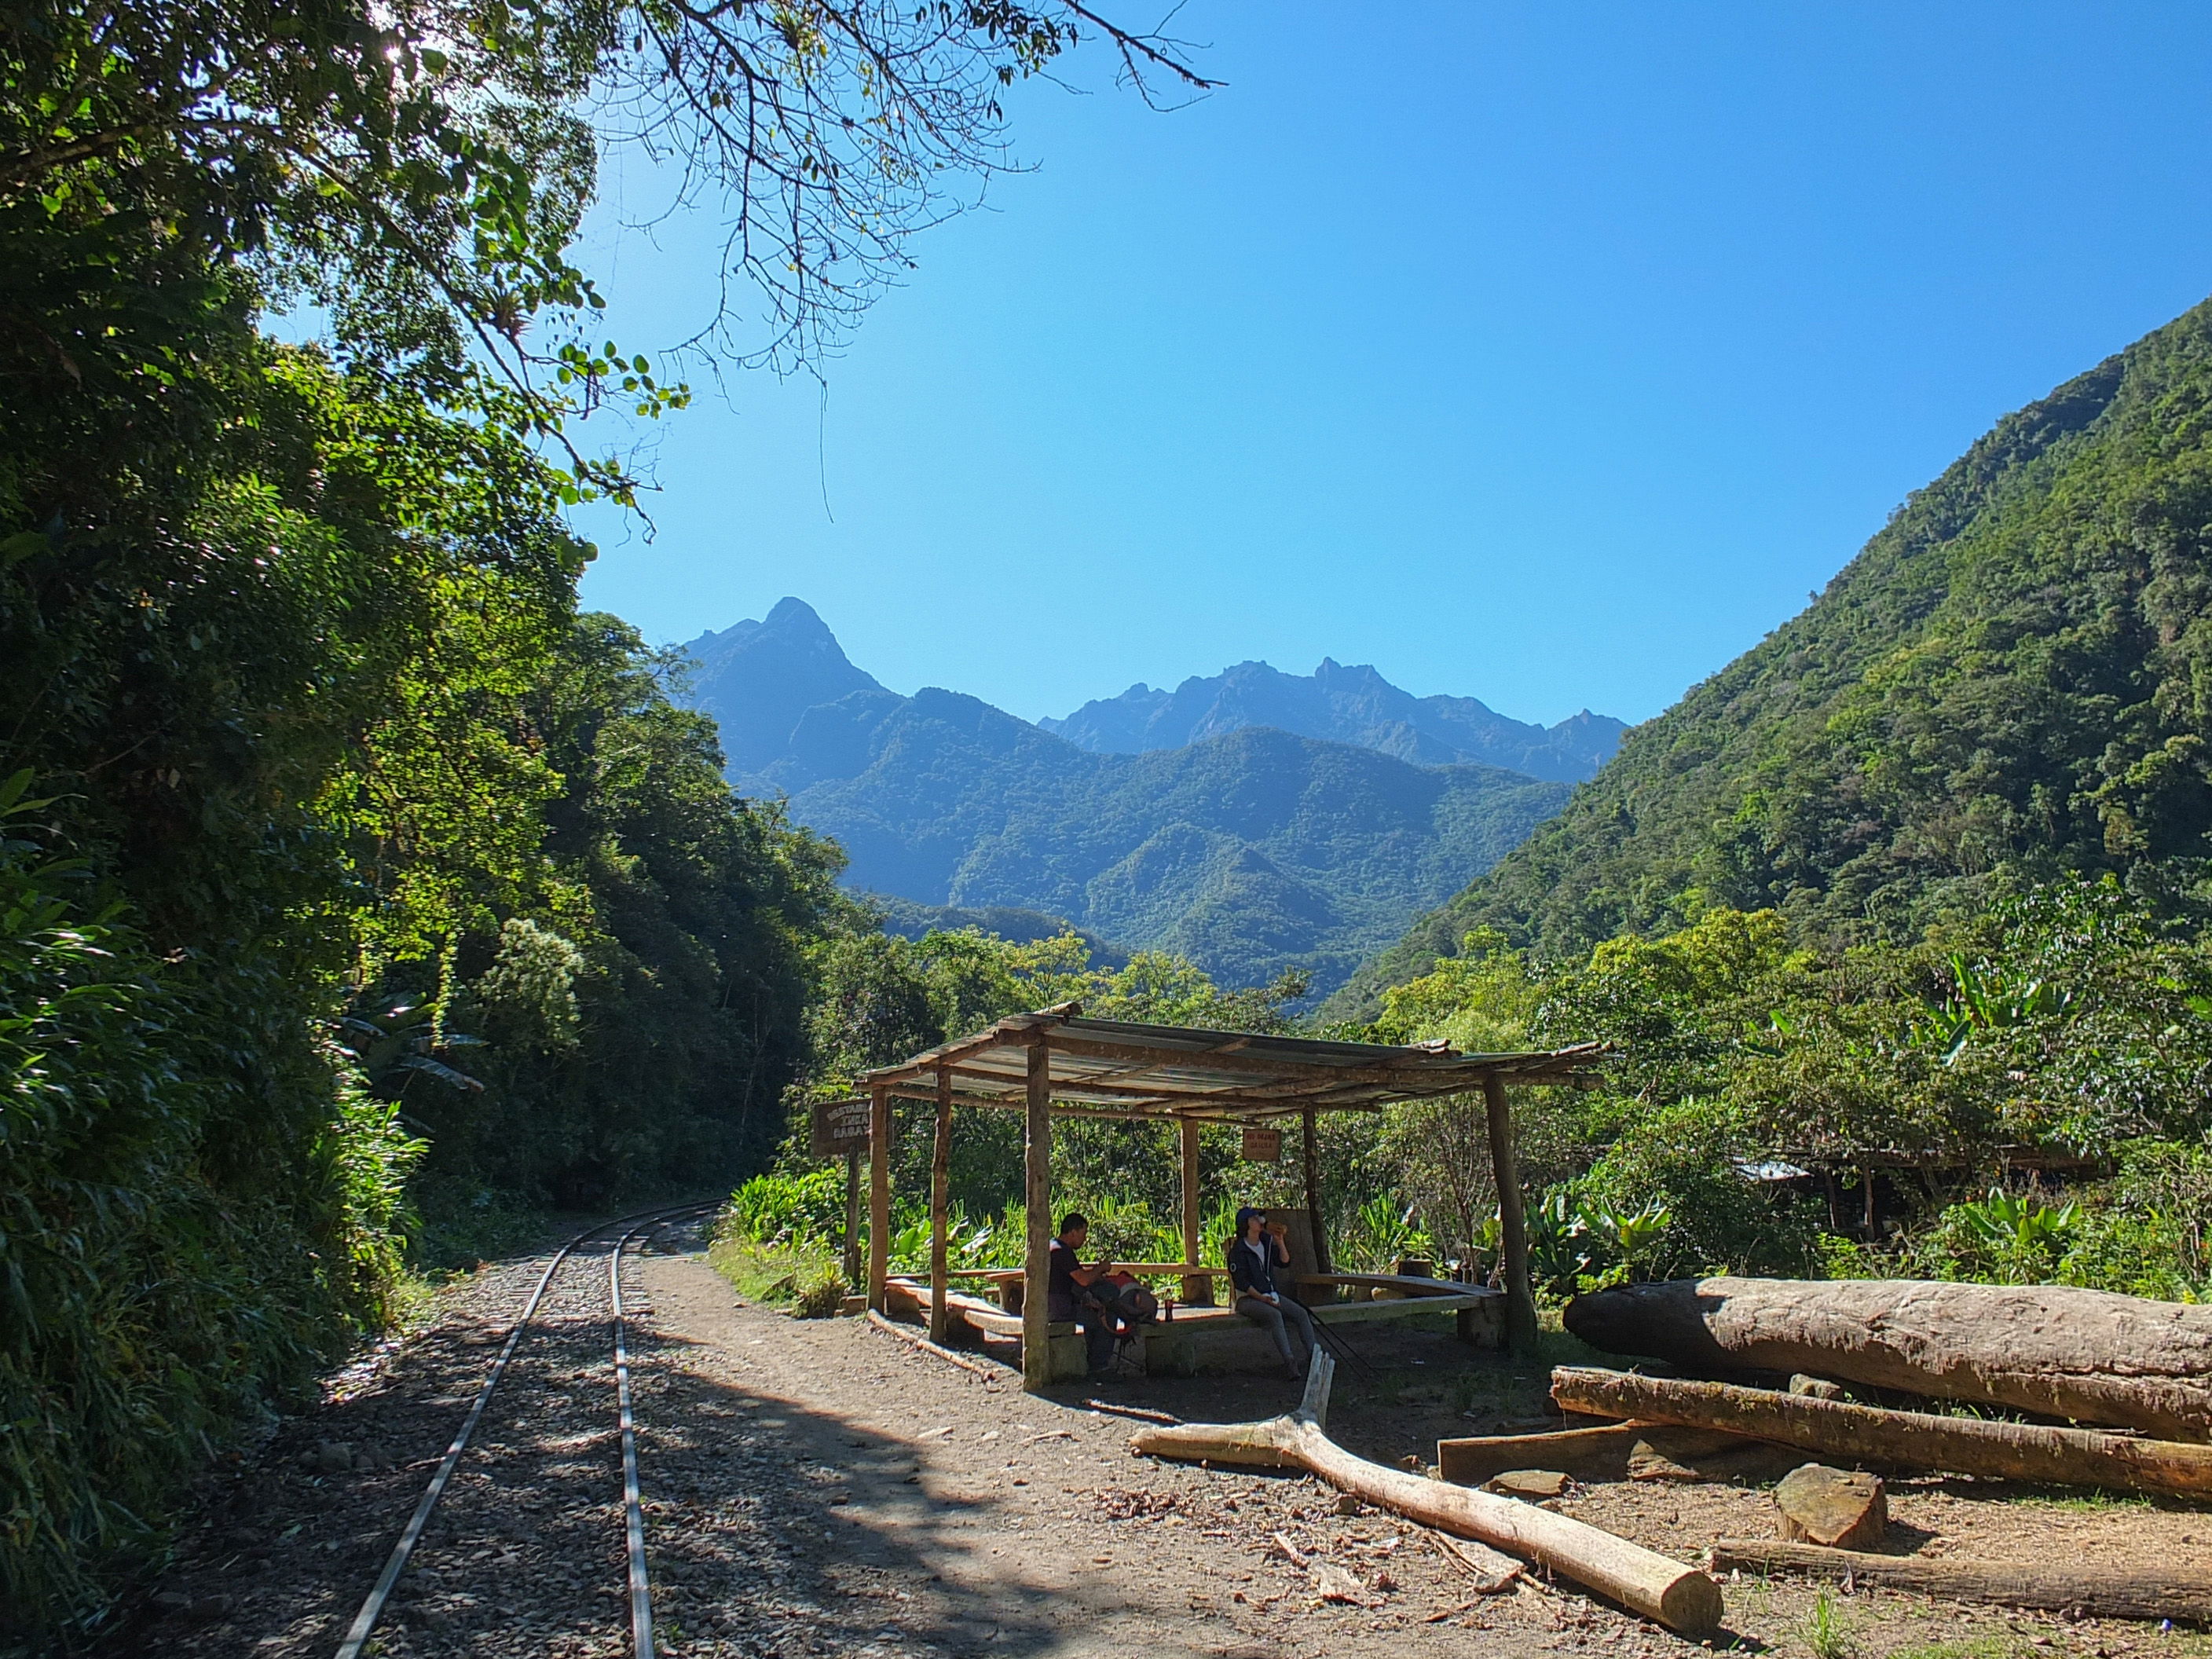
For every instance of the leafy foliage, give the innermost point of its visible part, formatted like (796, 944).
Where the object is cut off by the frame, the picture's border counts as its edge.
(2066, 1025)
(152, 1220)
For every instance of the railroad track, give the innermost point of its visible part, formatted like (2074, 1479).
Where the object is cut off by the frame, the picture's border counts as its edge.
(634, 1227)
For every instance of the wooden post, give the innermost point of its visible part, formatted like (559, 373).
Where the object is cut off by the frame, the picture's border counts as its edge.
(940, 1193)
(1313, 1191)
(1513, 1223)
(1866, 1180)
(880, 1197)
(1197, 1288)
(853, 1218)
(1036, 1197)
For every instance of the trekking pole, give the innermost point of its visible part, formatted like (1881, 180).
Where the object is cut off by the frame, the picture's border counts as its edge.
(1336, 1343)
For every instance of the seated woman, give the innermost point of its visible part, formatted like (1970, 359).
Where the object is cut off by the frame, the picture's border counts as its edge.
(1254, 1254)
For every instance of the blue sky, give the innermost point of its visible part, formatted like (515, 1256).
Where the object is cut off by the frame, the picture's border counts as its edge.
(1546, 354)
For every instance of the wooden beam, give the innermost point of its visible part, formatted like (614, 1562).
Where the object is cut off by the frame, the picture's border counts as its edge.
(1036, 1196)
(1211, 1060)
(1513, 1223)
(940, 1193)
(1288, 1089)
(1127, 1102)
(1157, 1100)
(852, 1217)
(1197, 1289)
(879, 1196)
(1312, 1142)
(2161, 1589)
(1455, 1074)
(1012, 1031)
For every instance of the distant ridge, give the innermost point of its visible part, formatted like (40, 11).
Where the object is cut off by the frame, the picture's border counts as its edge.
(1338, 704)
(1251, 850)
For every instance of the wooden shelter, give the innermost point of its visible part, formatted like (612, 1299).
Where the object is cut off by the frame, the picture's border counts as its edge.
(1055, 1062)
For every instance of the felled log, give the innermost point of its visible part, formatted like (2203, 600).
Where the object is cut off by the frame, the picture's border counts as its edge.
(1682, 1598)
(2087, 1355)
(2162, 1591)
(1867, 1434)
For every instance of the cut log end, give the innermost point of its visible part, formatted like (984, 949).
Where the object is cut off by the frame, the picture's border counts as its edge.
(1691, 1605)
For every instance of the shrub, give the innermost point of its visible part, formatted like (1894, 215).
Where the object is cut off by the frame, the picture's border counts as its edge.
(1681, 1160)
(185, 1229)
(824, 1295)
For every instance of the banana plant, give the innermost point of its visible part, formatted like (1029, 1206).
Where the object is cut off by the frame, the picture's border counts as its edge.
(2022, 1227)
(402, 1040)
(1984, 996)
(1628, 1239)
(1559, 1243)
(1380, 1231)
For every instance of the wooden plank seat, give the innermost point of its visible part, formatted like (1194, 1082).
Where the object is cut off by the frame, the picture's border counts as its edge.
(912, 1298)
(1202, 1339)
(1398, 1284)
(1008, 1283)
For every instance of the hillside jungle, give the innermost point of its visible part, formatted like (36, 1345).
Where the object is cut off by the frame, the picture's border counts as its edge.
(363, 900)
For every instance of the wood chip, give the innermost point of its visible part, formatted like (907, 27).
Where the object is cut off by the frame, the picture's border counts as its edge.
(1647, 1462)
(1492, 1571)
(1332, 1583)
(1528, 1483)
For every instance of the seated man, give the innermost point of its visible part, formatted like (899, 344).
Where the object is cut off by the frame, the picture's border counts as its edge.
(1069, 1295)
(1254, 1254)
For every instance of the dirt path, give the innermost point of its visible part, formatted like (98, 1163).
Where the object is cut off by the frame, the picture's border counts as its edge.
(896, 1504)
(817, 1487)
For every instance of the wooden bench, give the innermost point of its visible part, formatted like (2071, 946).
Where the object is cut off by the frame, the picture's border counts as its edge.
(1220, 1339)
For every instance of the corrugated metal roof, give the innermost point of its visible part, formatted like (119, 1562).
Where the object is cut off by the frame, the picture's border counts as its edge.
(1118, 1068)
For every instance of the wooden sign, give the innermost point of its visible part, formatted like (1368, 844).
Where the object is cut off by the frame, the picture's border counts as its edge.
(841, 1127)
(1263, 1145)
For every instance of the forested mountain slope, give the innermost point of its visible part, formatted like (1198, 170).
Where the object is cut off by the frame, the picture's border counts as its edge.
(2014, 674)
(1251, 852)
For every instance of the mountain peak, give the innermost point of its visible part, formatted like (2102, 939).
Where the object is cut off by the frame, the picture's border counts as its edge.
(796, 617)
(757, 679)
(1339, 704)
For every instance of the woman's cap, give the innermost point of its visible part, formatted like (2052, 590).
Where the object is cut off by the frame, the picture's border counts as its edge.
(1244, 1218)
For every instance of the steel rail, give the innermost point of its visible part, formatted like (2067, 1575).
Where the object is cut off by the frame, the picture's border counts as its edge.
(641, 1589)
(372, 1605)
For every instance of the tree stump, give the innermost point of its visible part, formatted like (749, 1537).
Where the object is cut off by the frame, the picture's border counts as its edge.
(1833, 1507)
